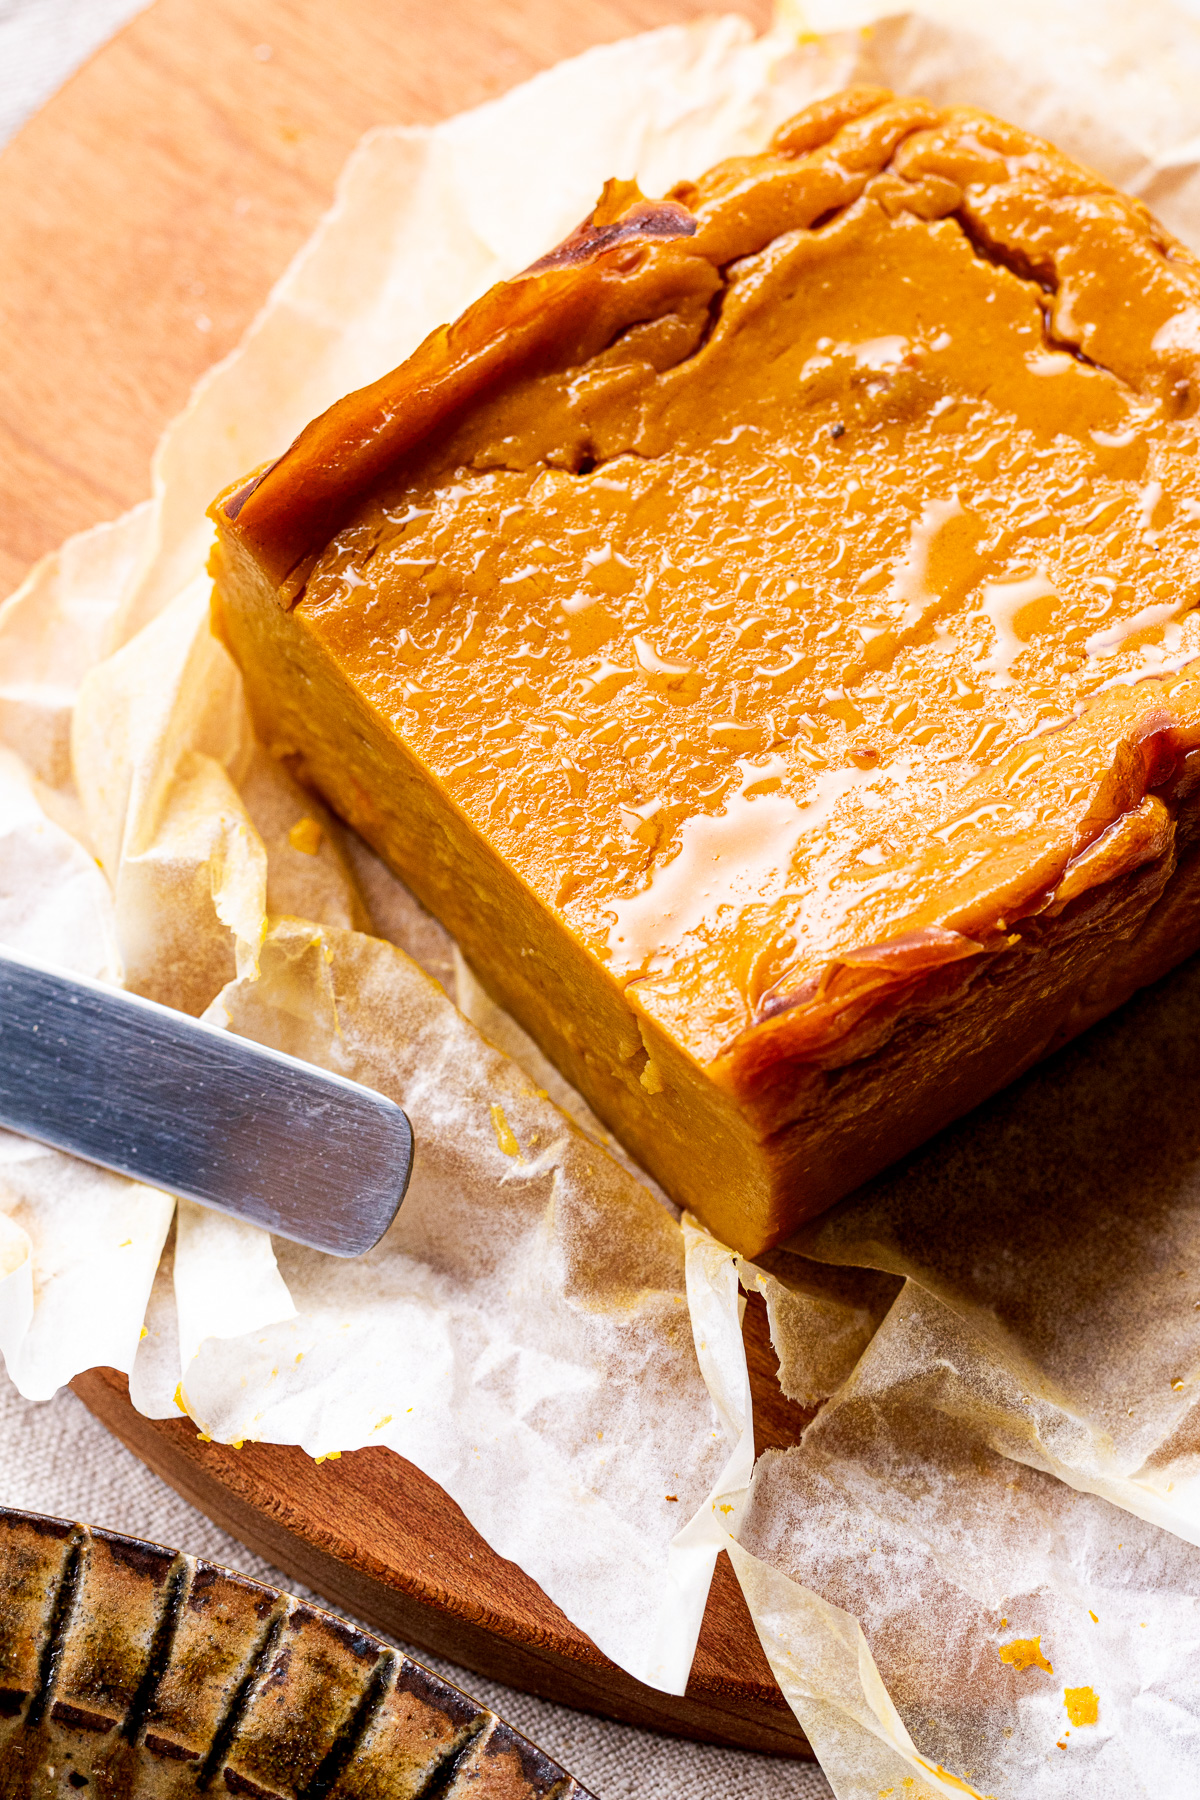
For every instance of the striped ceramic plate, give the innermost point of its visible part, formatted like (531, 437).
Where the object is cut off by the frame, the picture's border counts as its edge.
(131, 1670)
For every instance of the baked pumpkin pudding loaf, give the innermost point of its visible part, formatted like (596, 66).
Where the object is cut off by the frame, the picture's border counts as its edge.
(761, 632)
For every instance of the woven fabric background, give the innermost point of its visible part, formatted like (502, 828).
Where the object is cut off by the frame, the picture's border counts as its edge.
(56, 1458)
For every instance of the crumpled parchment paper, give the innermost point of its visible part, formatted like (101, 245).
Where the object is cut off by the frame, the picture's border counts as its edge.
(976, 1573)
(958, 1497)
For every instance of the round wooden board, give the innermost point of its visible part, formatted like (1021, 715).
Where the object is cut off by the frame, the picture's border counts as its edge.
(144, 214)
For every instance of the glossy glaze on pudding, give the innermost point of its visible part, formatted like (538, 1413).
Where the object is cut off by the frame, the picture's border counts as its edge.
(763, 634)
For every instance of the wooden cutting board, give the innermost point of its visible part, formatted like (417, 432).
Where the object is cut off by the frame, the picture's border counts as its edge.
(144, 214)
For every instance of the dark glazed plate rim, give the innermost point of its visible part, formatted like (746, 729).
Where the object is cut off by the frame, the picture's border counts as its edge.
(129, 1668)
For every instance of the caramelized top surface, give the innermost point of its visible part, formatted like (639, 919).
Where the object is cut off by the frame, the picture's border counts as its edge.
(812, 613)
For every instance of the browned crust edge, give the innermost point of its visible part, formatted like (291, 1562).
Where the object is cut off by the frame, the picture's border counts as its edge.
(630, 259)
(563, 309)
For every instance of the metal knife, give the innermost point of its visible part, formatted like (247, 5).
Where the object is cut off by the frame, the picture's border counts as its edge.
(194, 1110)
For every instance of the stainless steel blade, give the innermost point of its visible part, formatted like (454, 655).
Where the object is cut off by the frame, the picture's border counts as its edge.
(192, 1109)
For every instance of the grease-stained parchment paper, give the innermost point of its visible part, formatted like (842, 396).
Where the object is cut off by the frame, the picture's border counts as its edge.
(1002, 1495)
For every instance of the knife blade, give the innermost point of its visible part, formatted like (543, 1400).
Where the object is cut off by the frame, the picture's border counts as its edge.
(184, 1106)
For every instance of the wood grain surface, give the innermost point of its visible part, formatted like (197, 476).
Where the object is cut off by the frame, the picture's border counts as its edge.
(144, 215)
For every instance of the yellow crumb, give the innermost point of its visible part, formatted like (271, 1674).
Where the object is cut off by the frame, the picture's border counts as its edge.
(1025, 1653)
(386, 1420)
(180, 1402)
(504, 1133)
(650, 1079)
(1092, 1616)
(1083, 1705)
(144, 1333)
(950, 1780)
(305, 836)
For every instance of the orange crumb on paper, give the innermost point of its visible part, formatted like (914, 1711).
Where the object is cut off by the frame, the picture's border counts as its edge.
(954, 1781)
(504, 1132)
(1092, 1616)
(1025, 1653)
(1083, 1705)
(305, 836)
(1177, 1384)
(671, 1497)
